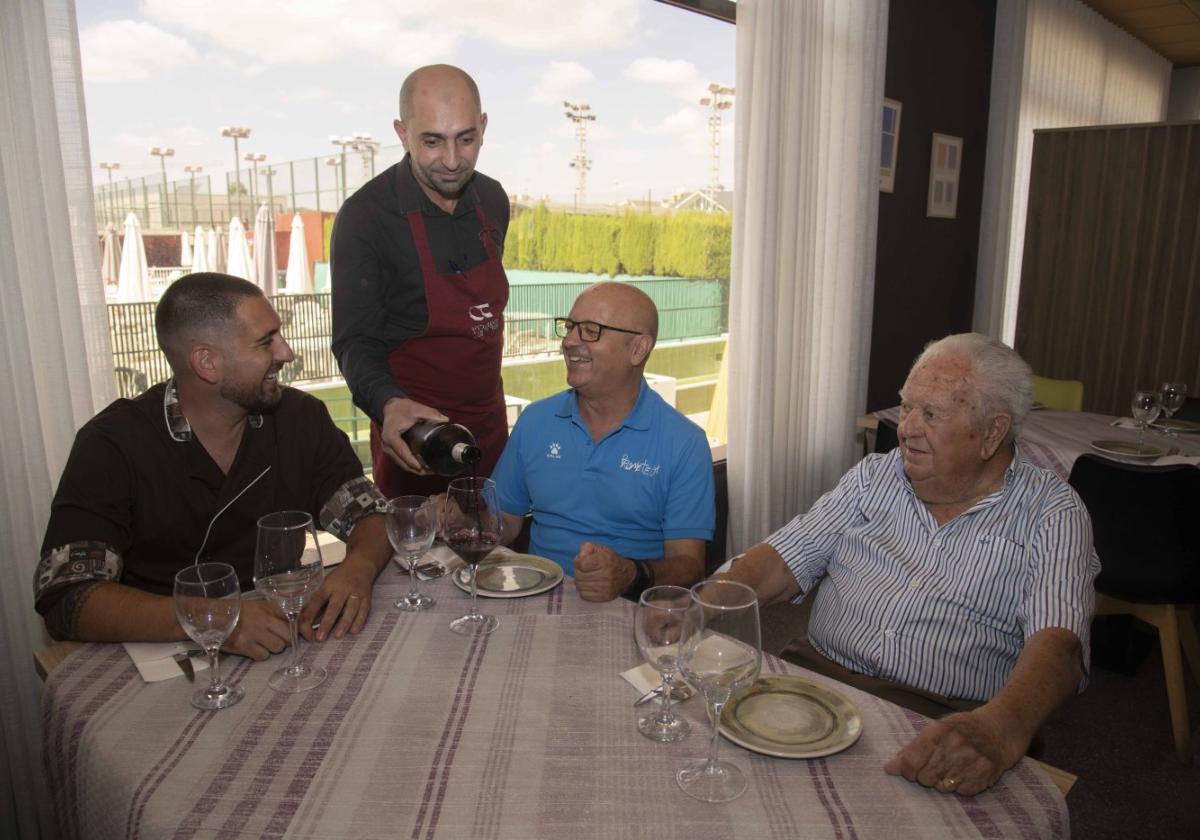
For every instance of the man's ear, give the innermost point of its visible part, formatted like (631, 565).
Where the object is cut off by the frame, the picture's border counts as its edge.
(402, 132)
(640, 348)
(207, 363)
(997, 431)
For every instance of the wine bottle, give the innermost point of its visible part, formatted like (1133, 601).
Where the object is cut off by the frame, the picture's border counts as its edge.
(446, 448)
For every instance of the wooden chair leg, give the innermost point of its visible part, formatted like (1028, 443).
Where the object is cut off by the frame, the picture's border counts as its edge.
(1188, 638)
(1168, 636)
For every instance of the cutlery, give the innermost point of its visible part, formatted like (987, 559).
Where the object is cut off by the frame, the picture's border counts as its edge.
(678, 693)
(184, 661)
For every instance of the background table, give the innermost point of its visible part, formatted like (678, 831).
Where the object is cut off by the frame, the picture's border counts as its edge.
(420, 733)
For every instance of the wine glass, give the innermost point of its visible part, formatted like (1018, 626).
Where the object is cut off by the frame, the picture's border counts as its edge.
(208, 601)
(721, 654)
(659, 625)
(288, 571)
(471, 523)
(411, 525)
(1172, 397)
(1145, 409)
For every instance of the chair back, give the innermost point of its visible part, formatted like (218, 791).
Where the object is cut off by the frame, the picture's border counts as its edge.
(1062, 394)
(886, 437)
(1145, 526)
(1190, 410)
(714, 554)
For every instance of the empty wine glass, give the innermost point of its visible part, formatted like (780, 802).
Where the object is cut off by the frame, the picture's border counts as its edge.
(721, 654)
(659, 625)
(1145, 408)
(1172, 397)
(208, 602)
(471, 526)
(411, 525)
(288, 571)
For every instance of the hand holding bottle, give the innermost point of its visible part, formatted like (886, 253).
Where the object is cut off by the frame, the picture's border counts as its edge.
(399, 415)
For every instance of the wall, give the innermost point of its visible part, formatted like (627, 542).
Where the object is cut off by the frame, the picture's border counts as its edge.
(939, 58)
(1184, 100)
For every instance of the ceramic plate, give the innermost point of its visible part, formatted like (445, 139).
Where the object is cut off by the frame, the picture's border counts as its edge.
(512, 576)
(789, 717)
(1129, 449)
(1185, 426)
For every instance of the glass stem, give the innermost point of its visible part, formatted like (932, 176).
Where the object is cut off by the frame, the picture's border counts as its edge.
(295, 627)
(214, 682)
(664, 714)
(474, 609)
(412, 578)
(714, 711)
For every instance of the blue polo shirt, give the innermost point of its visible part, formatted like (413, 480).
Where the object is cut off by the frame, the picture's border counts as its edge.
(647, 481)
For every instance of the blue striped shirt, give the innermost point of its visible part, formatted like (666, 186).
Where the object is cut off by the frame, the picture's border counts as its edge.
(944, 609)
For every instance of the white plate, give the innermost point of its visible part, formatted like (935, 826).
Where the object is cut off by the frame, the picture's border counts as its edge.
(1129, 449)
(789, 717)
(511, 576)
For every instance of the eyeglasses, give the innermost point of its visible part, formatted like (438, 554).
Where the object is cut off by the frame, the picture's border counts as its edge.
(588, 330)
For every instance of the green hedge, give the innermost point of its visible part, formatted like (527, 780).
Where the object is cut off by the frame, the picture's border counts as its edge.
(684, 244)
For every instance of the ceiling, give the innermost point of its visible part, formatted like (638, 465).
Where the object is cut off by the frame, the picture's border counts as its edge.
(1169, 27)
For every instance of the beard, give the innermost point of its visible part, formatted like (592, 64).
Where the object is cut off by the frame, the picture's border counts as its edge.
(251, 398)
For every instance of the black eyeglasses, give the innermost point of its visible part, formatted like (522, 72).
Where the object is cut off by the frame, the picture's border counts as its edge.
(588, 330)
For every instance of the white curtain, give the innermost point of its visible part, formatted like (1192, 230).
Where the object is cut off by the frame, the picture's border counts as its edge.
(809, 103)
(55, 368)
(1056, 64)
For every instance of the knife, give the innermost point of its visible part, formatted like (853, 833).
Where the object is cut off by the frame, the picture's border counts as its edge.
(184, 661)
(678, 693)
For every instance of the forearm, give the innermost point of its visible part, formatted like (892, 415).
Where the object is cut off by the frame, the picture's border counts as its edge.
(681, 566)
(365, 368)
(512, 527)
(113, 612)
(1046, 674)
(763, 570)
(368, 543)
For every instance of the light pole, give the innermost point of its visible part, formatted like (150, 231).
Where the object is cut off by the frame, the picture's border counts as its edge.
(718, 100)
(192, 172)
(255, 160)
(270, 173)
(577, 113)
(335, 163)
(162, 153)
(366, 145)
(112, 196)
(343, 142)
(237, 133)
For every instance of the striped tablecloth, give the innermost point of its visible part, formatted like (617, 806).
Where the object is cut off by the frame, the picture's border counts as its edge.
(420, 733)
(1054, 439)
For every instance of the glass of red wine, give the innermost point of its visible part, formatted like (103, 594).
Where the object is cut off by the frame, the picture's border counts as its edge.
(471, 526)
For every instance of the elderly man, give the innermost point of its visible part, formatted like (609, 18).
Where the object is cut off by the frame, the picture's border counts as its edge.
(418, 287)
(182, 473)
(954, 575)
(619, 483)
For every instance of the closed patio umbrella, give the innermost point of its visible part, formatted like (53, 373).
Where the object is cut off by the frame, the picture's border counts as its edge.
(216, 249)
(264, 250)
(239, 264)
(133, 280)
(298, 280)
(200, 252)
(185, 249)
(110, 260)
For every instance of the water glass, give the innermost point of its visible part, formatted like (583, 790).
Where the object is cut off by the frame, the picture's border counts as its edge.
(1172, 396)
(208, 603)
(1145, 409)
(411, 526)
(659, 626)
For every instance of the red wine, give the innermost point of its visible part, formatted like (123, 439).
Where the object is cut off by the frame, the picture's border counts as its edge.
(470, 545)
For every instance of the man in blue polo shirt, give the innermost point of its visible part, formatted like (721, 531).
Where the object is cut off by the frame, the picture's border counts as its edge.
(619, 483)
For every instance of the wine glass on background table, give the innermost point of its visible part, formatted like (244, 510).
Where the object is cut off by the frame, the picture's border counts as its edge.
(471, 527)
(208, 602)
(721, 655)
(659, 626)
(1145, 408)
(1172, 396)
(288, 572)
(411, 526)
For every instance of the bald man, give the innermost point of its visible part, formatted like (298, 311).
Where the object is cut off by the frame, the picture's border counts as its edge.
(418, 288)
(619, 483)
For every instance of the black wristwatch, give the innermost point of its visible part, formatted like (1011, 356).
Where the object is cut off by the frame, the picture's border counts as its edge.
(641, 582)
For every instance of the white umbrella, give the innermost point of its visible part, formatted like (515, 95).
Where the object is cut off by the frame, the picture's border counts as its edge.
(239, 264)
(216, 250)
(110, 261)
(264, 250)
(200, 252)
(185, 249)
(298, 280)
(133, 281)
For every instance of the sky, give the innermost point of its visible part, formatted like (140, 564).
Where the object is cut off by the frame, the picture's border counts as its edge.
(173, 72)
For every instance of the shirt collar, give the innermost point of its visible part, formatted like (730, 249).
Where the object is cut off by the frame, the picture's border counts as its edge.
(178, 426)
(412, 197)
(1010, 472)
(639, 417)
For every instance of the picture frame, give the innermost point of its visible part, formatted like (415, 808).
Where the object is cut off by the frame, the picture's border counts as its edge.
(945, 163)
(890, 145)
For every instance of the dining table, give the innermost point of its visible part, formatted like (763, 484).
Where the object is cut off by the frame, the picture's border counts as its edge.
(1053, 439)
(418, 732)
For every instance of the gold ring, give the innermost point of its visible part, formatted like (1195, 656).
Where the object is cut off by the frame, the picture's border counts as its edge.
(949, 782)
(348, 597)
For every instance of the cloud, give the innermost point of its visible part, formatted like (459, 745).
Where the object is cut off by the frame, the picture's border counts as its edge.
(560, 79)
(662, 71)
(119, 51)
(311, 93)
(684, 121)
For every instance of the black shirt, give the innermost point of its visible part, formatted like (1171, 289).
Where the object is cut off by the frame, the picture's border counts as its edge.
(378, 288)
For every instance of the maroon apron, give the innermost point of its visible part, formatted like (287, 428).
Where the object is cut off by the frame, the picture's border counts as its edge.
(454, 366)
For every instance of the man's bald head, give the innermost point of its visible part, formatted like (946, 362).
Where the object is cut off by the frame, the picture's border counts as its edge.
(633, 308)
(436, 81)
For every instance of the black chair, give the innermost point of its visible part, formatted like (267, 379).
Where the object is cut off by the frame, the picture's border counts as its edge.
(714, 554)
(886, 437)
(1144, 520)
(1190, 410)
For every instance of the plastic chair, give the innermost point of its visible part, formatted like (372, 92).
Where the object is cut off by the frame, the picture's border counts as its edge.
(1062, 394)
(1144, 523)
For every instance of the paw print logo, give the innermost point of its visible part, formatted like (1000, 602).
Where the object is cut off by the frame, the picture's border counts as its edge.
(554, 450)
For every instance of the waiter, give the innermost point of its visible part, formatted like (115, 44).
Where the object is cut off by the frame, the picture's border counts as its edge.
(418, 288)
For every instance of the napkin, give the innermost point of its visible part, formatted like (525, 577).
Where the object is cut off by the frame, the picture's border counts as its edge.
(155, 662)
(643, 678)
(333, 550)
(1126, 423)
(441, 554)
(1166, 460)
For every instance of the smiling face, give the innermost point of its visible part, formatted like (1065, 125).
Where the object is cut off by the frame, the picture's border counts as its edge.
(442, 129)
(945, 443)
(614, 362)
(253, 356)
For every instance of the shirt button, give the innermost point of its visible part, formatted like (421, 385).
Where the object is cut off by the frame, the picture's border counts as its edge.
(937, 542)
(889, 633)
(915, 583)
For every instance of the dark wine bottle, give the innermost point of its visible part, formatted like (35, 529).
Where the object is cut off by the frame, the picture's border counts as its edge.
(446, 448)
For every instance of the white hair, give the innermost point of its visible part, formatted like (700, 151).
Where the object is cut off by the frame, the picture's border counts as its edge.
(1003, 380)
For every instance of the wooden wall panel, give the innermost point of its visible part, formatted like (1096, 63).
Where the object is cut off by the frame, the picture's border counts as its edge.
(1110, 282)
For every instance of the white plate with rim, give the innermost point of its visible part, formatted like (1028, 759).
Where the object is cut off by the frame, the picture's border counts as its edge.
(511, 576)
(786, 716)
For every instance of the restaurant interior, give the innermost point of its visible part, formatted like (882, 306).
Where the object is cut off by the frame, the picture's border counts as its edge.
(1073, 235)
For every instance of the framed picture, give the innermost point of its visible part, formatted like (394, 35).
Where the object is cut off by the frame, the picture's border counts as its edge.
(945, 161)
(891, 142)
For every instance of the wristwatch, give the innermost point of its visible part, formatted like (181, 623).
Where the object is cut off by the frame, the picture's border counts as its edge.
(642, 581)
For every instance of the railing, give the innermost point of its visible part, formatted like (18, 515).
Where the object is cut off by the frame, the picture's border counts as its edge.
(687, 309)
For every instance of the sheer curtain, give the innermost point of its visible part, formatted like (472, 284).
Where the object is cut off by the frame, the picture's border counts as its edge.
(56, 363)
(1056, 64)
(810, 93)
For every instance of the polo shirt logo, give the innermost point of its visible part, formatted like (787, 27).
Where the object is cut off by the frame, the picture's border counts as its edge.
(642, 467)
(553, 451)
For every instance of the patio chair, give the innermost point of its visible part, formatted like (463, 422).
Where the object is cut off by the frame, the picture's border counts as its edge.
(1062, 394)
(1144, 524)
(130, 382)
